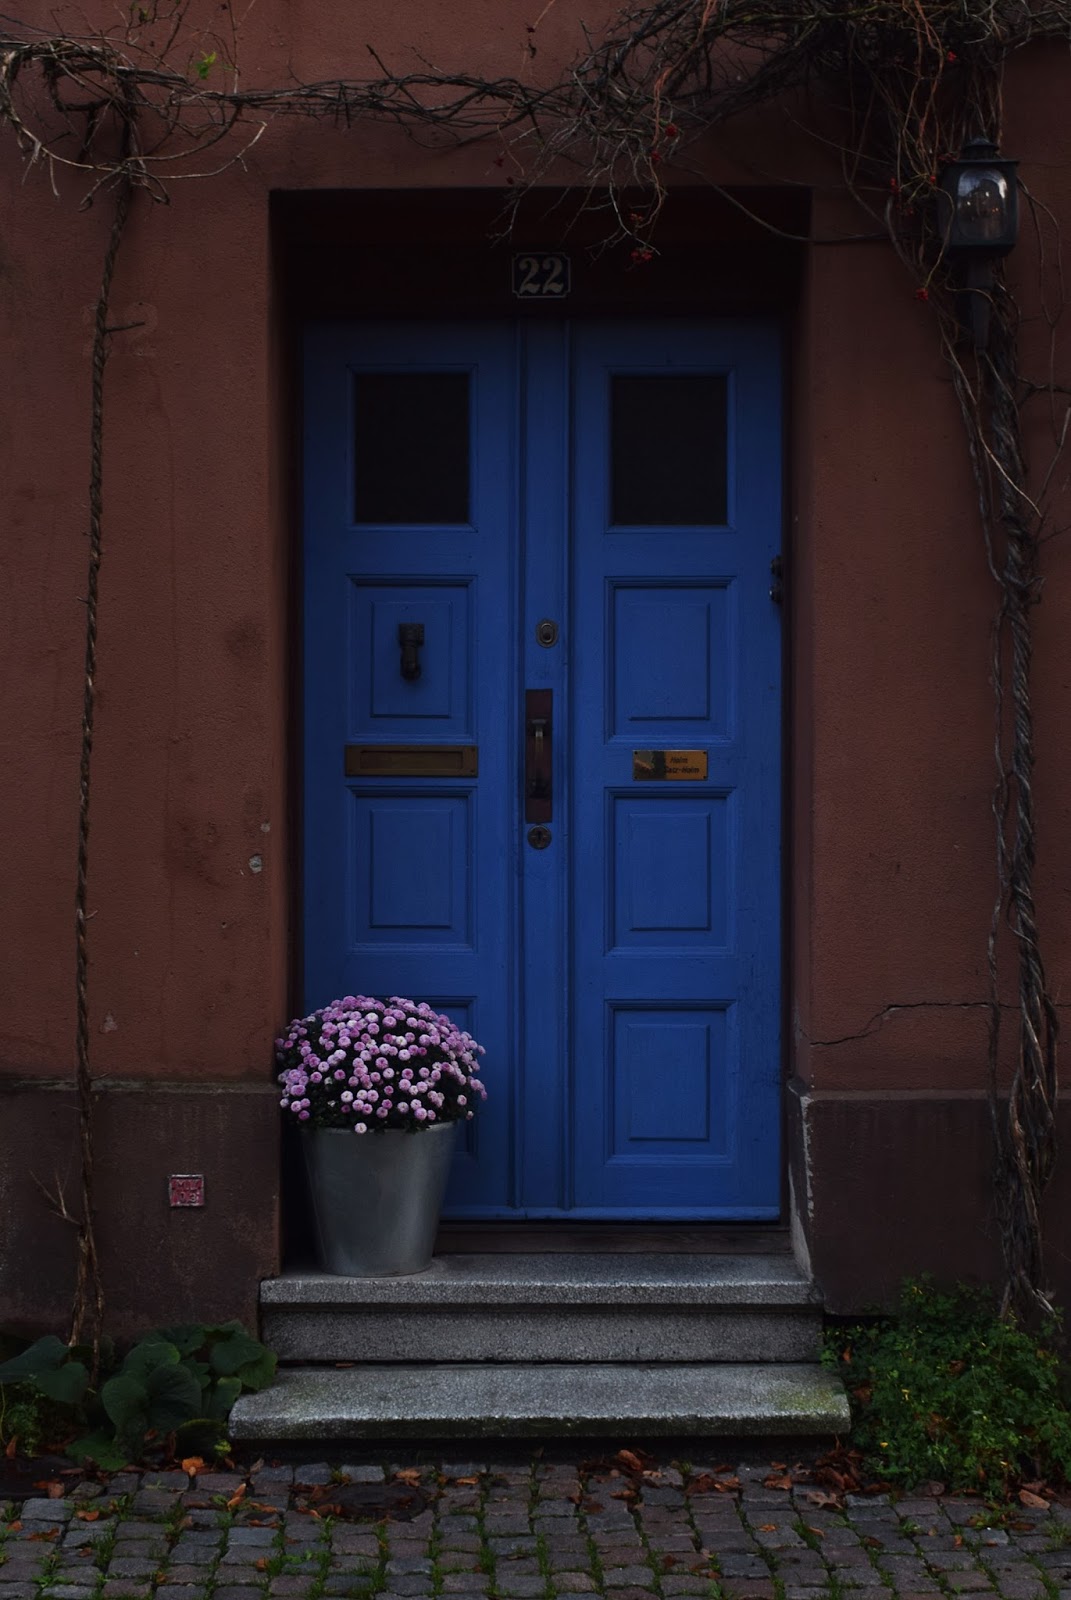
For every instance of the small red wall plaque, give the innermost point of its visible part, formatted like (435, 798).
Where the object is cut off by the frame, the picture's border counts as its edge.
(186, 1189)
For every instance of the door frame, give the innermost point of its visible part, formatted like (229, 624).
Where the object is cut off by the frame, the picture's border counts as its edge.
(757, 279)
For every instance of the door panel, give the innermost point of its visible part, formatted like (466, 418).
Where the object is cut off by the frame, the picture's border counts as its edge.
(676, 887)
(621, 481)
(409, 884)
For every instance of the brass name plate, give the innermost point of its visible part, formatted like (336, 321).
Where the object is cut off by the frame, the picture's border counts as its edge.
(663, 764)
(412, 760)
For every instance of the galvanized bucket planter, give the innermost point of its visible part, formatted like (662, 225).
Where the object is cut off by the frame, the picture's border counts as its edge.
(376, 1197)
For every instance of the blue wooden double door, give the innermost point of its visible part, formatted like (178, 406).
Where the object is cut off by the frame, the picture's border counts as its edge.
(542, 740)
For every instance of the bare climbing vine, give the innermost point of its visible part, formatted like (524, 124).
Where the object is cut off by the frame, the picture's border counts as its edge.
(893, 88)
(87, 1316)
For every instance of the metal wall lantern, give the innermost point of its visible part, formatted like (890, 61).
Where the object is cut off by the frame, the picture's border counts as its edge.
(980, 223)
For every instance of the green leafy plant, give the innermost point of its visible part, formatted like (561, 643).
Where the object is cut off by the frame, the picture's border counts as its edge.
(182, 1380)
(945, 1389)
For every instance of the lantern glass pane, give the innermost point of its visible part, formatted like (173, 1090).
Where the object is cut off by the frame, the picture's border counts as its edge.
(981, 205)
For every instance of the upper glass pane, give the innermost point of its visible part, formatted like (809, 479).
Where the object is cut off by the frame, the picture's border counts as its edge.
(411, 447)
(668, 451)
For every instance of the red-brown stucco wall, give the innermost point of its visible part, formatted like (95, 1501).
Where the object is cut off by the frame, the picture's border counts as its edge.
(193, 876)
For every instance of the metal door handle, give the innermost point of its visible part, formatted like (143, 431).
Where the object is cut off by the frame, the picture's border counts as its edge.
(410, 637)
(538, 756)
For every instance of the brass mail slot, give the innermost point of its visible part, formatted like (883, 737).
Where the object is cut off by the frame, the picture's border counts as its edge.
(412, 760)
(666, 764)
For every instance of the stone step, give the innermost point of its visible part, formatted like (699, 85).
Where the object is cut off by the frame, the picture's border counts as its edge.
(553, 1308)
(316, 1404)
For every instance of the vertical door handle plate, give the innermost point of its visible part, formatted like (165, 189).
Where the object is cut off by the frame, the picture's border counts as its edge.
(538, 755)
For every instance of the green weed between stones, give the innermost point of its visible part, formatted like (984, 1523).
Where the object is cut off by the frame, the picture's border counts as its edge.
(946, 1390)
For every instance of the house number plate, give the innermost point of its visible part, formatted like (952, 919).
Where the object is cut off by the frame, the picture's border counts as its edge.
(663, 764)
(541, 277)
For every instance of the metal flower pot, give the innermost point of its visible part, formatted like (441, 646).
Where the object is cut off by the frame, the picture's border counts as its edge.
(376, 1197)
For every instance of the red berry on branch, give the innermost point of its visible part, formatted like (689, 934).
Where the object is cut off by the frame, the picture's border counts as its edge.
(922, 294)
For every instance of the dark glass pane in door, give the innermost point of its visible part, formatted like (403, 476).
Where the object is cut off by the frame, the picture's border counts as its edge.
(411, 447)
(668, 451)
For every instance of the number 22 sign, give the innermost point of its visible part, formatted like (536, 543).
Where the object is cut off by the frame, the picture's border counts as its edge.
(541, 277)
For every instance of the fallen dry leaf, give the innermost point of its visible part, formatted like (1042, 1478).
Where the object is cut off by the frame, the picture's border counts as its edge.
(820, 1498)
(777, 1481)
(237, 1497)
(11, 1447)
(87, 1516)
(1036, 1501)
(630, 1460)
(819, 1533)
(45, 1534)
(262, 1564)
(409, 1475)
(668, 1563)
(706, 1482)
(14, 1527)
(767, 1527)
(193, 1465)
(467, 1482)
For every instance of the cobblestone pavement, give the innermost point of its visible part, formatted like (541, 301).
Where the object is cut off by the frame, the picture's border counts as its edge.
(518, 1530)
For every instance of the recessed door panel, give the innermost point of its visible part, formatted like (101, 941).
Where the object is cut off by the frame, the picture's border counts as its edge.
(438, 703)
(671, 649)
(670, 873)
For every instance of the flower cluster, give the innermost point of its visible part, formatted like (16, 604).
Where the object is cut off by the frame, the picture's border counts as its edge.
(372, 1064)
